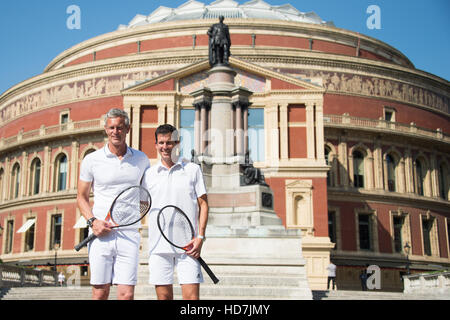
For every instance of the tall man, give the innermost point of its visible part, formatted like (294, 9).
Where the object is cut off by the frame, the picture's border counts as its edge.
(178, 182)
(114, 255)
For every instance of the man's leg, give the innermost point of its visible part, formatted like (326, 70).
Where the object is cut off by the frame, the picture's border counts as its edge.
(161, 275)
(190, 291)
(164, 292)
(100, 292)
(125, 292)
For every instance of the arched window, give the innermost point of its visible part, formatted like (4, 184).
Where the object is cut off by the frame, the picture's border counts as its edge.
(88, 152)
(358, 169)
(61, 172)
(35, 176)
(391, 167)
(15, 181)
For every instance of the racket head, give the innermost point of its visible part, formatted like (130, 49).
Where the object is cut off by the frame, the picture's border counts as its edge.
(175, 226)
(130, 206)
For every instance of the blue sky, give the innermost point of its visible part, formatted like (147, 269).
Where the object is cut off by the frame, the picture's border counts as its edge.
(34, 32)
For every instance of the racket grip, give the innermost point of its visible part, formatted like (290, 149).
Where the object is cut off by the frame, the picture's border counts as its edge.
(208, 270)
(85, 241)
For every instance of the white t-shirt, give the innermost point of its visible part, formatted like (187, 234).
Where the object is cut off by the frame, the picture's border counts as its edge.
(181, 186)
(331, 270)
(110, 175)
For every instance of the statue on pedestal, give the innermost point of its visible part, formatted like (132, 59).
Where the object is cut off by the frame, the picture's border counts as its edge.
(219, 43)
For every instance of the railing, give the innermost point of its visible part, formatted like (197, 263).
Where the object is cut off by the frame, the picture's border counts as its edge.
(427, 283)
(346, 120)
(11, 276)
(51, 132)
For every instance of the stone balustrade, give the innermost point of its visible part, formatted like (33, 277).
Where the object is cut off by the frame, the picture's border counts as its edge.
(431, 283)
(12, 276)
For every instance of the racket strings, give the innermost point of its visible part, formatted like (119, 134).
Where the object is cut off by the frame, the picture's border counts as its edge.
(175, 226)
(130, 206)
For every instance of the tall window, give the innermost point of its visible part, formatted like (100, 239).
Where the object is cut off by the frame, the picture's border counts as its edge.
(15, 181)
(358, 169)
(398, 228)
(448, 232)
(187, 118)
(327, 161)
(61, 165)
(29, 237)
(420, 177)
(9, 236)
(332, 226)
(35, 176)
(391, 181)
(443, 183)
(427, 225)
(365, 234)
(256, 133)
(1, 183)
(55, 232)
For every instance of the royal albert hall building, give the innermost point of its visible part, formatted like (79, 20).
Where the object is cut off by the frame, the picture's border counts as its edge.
(352, 139)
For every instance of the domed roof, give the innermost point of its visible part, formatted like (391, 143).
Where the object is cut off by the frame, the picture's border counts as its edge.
(256, 9)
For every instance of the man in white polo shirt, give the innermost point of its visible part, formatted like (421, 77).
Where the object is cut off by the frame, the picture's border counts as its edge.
(114, 255)
(178, 182)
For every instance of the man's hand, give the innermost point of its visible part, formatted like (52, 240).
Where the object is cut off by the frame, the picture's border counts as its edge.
(101, 227)
(194, 247)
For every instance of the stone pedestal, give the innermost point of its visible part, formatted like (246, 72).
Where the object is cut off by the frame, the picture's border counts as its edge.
(244, 234)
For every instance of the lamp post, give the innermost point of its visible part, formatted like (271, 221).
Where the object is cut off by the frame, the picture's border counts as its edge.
(407, 248)
(56, 248)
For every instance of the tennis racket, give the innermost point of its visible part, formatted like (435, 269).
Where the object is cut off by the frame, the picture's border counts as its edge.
(177, 229)
(129, 207)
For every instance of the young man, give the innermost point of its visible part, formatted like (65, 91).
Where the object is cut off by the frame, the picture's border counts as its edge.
(178, 182)
(114, 255)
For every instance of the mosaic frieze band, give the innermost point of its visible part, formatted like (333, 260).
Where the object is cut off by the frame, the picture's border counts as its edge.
(372, 86)
(331, 81)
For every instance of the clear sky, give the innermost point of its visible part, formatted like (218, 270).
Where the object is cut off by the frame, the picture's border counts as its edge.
(34, 32)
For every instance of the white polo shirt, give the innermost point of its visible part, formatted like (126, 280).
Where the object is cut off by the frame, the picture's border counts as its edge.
(110, 175)
(181, 186)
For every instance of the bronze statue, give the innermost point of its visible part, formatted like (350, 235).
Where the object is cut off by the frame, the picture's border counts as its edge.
(219, 43)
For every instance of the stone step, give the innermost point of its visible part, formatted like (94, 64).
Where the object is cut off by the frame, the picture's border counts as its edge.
(52, 293)
(373, 295)
(235, 292)
(240, 280)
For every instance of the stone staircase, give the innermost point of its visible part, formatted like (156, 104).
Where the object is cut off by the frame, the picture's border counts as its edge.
(235, 287)
(50, 293)
(240, 283)
(374, 295)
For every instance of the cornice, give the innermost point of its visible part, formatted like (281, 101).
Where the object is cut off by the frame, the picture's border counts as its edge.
(381, 196)
(266, 58)
(236, 25)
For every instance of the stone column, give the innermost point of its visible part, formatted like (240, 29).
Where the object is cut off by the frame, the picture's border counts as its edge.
(136, 126)
(284, 127)
(320, 131)
(310, 139)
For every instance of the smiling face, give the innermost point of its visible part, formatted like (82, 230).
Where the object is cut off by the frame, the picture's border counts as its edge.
(165, 146)
(117, 131)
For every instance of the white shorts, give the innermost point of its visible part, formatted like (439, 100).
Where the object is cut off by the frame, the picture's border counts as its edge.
(114, 258)
(161, 268)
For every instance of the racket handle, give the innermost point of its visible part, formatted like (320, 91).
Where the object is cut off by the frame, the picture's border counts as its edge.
(85, 241)
(208, 270)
